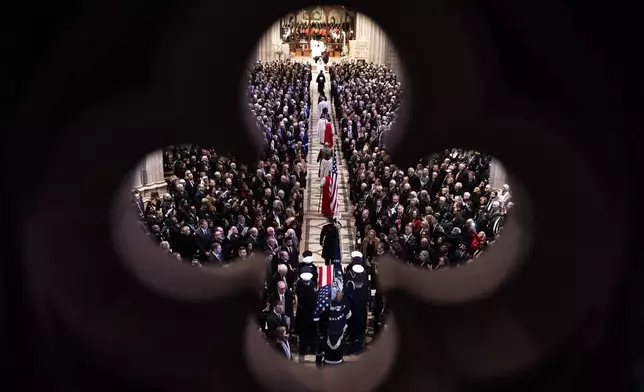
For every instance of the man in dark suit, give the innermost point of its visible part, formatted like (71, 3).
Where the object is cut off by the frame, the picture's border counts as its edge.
(216, 257)
(198, 196)
(285, 297)
(185, 244)
(191, 185)
(253, 239)
(408, 243)
(292, 251)
(204, 239)
(282, 275)
(138, 204)
(274, 320)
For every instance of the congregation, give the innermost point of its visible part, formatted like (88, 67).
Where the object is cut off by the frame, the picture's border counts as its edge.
(441, 213)
(216, 211)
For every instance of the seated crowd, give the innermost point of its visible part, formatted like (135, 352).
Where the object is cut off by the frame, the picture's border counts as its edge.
(441, 213)
(216, 209)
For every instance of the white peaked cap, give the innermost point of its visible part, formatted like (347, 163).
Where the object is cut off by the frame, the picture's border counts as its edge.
(358, 269)
(306, 276)
(307, 260)
(355, 253)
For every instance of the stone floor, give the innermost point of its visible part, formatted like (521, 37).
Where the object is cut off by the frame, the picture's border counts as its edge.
(313, 219)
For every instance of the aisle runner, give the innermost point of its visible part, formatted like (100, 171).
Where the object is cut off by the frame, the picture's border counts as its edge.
(313, 219)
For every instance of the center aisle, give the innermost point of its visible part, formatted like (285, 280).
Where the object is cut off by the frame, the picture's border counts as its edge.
(313, 219)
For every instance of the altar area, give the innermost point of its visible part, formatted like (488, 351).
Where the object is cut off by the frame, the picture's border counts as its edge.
(317, 47)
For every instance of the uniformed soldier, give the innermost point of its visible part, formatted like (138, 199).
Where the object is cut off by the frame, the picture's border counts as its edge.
(304, 324)
(357, 297)
(339, 313)
(321, 319)
(307, 265)
(356, 258)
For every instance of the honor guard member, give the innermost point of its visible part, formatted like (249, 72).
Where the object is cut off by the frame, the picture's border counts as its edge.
(321, 318)
(339, 313)
(329, 237)
(307, 265)
(304, 324)
(357, 294)
(356, 259)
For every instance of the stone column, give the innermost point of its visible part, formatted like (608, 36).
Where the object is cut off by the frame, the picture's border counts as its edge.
(498, 176)
(153, 177)
(136, 177)
(265, 48)
(367, 29)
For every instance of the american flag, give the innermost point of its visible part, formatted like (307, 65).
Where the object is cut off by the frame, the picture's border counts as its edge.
(323, 301)
(334, 185)
(325, 276)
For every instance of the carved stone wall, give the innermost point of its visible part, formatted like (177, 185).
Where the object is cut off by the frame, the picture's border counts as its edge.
(266, 45)
(149, 176)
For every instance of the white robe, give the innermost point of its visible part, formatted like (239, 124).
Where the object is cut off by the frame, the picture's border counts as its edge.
(322, 105)
(326, 166)
(321, 128)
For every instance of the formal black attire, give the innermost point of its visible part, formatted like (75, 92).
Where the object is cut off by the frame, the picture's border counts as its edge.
(329, 237)
(339, 313)
(310, 268)
(273, 321)
(357, 294)
(288, 279)
(186, 246)
(204, 240)
(287, 302)
(293, 256)
(321, 79)
(304, 324)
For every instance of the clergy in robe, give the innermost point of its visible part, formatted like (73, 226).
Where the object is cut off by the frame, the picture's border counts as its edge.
(328, 135)
(323, 104)
(325, 206)
(321, 129)
(321, 79)
(306, 301)
(326, 165)
(339, 313)
(356, 293)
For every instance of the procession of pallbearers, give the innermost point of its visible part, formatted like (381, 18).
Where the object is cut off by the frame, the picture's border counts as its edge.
(339, 313)
(330, 320)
